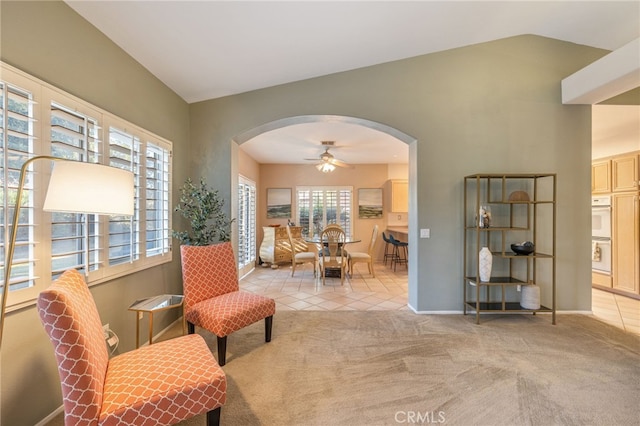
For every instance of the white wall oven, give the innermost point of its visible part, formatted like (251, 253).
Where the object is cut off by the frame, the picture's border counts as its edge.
(601, 234)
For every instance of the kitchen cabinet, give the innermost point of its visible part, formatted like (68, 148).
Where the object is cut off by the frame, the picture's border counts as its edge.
(600, 279)
(399, 196)
(601, 177)
(624, 173)
(275, 247)
(500, 210)
(625, 258)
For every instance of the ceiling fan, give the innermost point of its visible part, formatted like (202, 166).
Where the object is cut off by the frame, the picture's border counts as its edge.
(328, 162)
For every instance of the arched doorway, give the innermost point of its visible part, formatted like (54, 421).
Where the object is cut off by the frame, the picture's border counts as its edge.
(388, 130)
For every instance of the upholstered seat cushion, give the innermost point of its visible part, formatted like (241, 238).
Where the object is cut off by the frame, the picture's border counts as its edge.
(233, 311)
(359, 256)
(163, 383)
(305, 256)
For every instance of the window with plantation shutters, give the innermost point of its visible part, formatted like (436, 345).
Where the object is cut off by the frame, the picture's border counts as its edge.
(317, 207)
(39, 119)
(246, 221)
(17, 124)
(157, 230)
(75, 238)
(124, 231)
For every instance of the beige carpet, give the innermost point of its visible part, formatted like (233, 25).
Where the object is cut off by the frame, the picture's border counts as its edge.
(389, 368)
(395, 367)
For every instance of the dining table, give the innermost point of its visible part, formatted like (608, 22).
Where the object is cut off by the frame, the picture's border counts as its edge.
(316, 240)
(331, 272)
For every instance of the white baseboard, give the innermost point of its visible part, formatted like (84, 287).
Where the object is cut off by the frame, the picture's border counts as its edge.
(492, 313)
(415, 311)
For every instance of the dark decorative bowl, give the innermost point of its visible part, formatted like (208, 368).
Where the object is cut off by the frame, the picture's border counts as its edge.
(525, 248)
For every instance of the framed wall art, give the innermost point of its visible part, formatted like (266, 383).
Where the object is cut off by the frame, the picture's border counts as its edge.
(370, 203)
(278, 203)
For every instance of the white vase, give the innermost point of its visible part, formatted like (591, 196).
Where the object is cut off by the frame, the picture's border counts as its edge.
(485, 261)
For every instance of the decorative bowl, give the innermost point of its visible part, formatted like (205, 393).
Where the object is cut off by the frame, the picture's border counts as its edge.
(519, 196)
(524, 248)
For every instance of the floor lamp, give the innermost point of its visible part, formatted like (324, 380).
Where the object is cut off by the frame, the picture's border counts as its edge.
(74, 187)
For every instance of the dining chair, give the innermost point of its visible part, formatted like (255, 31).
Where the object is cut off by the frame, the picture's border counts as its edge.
(160, 384)
(332, 255)
(338, 226)
(212, 296)
(302, 252)
(334, 225)
(355, 257)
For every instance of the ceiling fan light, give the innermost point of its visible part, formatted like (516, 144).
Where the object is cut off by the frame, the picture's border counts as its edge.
(325, 167)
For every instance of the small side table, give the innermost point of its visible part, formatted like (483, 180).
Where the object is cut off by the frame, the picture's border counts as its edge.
(151, 305)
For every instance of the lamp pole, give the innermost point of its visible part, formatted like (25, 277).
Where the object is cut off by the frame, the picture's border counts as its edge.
(14, 235)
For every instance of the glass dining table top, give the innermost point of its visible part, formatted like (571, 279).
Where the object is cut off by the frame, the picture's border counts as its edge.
(316, 240)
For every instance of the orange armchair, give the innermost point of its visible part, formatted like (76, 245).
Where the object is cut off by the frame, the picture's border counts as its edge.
(212, 296)
(160, 384)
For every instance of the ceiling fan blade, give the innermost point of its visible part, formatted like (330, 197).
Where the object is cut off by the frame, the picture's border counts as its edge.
(339, 163)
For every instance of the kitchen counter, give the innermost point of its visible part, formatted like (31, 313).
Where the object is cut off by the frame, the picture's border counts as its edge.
(399, 230)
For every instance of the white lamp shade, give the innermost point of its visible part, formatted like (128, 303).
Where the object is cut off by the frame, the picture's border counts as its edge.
(77, 187)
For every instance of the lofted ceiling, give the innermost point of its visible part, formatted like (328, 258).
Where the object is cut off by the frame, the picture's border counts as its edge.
(210, 49)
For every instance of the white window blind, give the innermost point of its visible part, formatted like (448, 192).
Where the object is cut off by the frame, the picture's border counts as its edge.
(75, 238)
(17, 123)
(157, 229)
(124, 231)
(317, 207)
(246, 223)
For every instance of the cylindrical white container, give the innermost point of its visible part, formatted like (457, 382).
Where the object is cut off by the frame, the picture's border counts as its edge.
(485, 261)
(530, 297)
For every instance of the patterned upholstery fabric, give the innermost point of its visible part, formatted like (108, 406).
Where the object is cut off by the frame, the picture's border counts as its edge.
(212, 299)
(213, 265)
(233, 311)
(164, 383)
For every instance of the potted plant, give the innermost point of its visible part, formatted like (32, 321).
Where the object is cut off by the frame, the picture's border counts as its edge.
(203, 208)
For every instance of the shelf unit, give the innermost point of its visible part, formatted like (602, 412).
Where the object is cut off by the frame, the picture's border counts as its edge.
(513, 220)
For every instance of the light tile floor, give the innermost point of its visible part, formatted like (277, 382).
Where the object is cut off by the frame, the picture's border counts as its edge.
(622, 312)
(388, 291)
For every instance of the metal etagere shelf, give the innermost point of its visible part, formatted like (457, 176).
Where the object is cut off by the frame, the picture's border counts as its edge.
(523, 208)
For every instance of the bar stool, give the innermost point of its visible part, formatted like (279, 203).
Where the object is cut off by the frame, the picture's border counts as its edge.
(388, 249)
(399, 252)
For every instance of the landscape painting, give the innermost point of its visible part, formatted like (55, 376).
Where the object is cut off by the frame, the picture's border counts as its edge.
(278, 203)
(370, 203)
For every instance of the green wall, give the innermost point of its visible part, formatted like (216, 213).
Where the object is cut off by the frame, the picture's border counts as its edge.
(52, 42)
(488, 108)
(491, 108)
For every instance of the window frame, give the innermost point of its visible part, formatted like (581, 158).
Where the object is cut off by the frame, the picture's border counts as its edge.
(324, 188)
(43, 95)
(247, 224)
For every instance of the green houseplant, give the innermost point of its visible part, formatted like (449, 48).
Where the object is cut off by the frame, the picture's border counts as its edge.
(203, 208)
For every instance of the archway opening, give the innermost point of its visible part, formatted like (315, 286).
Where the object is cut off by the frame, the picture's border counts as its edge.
(392, 132)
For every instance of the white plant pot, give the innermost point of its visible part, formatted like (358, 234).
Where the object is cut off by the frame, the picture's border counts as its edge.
(530, 297)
